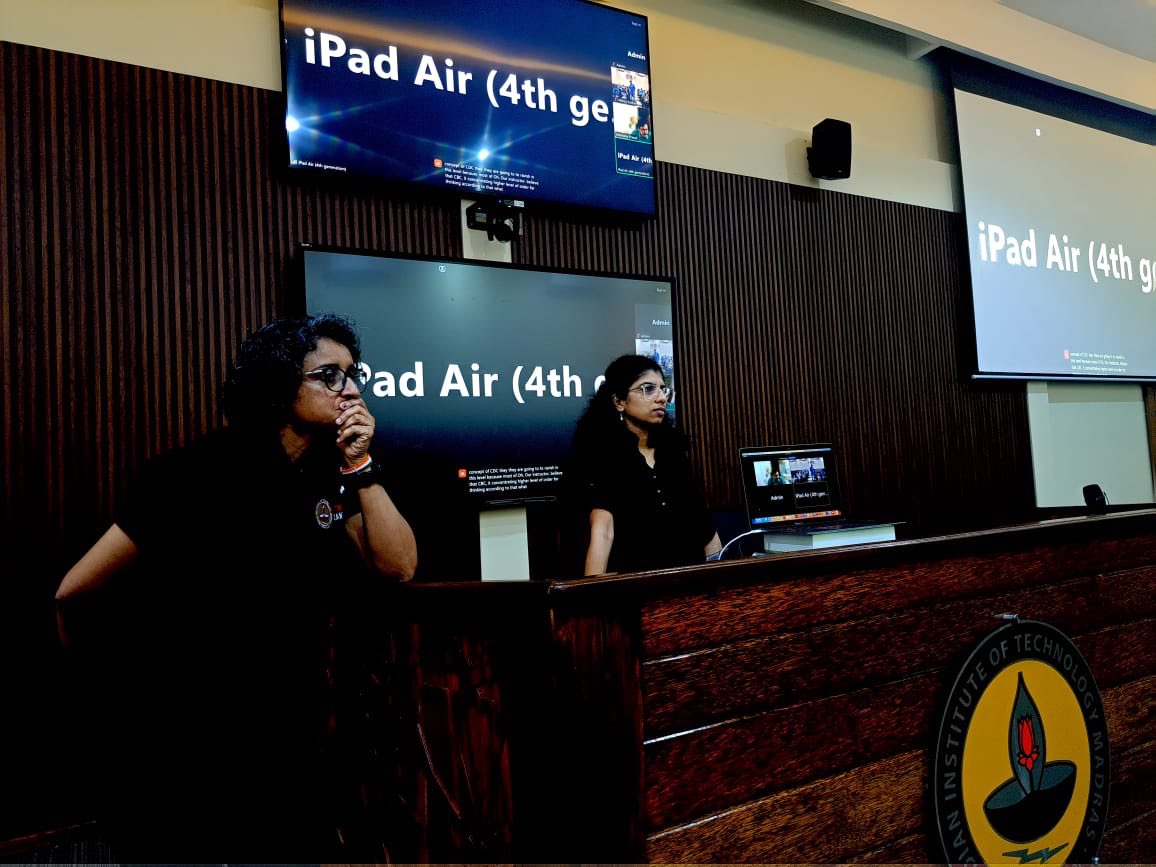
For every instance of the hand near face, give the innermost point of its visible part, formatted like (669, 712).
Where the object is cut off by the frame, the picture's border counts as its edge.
(355, 426)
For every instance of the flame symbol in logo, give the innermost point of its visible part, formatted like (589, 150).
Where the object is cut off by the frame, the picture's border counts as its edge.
(1026, 740)
(1027, 754)
(1032, 802)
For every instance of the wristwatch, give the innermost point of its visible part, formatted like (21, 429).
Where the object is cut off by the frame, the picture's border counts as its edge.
(371, 475)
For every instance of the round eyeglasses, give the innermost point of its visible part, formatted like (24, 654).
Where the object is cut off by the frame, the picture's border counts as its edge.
(334, 378)
(649, 389)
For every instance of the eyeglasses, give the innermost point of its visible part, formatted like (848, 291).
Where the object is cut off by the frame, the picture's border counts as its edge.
(334, 378)
(649, 389)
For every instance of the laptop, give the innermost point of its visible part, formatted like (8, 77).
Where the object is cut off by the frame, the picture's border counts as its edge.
(795, 488)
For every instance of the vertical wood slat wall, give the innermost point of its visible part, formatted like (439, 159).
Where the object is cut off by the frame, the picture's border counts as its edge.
(147, 229)
(145, 233)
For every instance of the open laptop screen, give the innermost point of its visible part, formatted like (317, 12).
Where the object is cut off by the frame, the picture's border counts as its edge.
(790, 483)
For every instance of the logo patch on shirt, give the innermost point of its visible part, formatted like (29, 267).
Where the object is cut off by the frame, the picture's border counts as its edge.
(324, 514)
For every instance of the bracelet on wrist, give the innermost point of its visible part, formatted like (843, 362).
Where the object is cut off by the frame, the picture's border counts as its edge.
(363, 478)
(360, 468)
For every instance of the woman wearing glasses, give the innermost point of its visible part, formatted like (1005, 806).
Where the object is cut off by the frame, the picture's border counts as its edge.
(241, 546)
(644, 508)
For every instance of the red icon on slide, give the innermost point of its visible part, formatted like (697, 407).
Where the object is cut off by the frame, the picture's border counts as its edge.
(461, 473)
(1067, 355)
(438, 162)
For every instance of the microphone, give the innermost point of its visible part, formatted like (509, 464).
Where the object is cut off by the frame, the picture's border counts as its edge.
(1095, 499)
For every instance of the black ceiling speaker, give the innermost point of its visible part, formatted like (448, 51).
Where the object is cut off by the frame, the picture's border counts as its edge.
(829, 156)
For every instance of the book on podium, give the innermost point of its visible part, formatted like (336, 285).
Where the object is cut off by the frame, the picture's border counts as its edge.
(800, 537)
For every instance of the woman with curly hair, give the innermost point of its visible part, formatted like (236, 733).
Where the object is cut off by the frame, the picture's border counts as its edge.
(232, 554)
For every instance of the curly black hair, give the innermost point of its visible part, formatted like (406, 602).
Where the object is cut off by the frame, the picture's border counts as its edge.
(263, 382)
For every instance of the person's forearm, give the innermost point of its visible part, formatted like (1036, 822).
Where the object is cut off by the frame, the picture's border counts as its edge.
(601, 541)
(388, 542)
(597, 556)
(598, 552)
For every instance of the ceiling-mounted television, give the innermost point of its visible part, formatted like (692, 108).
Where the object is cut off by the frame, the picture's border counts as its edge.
(1061, 228)
(518, 100)
(478, 372)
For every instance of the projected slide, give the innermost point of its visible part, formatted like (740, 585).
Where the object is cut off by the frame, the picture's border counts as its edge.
(1061, 222)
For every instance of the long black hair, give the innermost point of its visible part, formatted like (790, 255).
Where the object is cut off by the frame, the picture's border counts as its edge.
(601, 428)
(263, 382)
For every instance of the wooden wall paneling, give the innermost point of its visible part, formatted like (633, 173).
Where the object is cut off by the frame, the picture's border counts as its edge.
(832, 763)
(823, 822)
(1131, 712)
(711, 766)
(872, 806)
(1132, 791)
(147, 230)
(597, 738)
(687, 690)
(1138, 835)
(692, 620)
(783, 695)
(695, 774)
(467, 709)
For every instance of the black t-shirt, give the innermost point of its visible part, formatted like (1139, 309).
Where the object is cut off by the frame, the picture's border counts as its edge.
(660, 519)
(244, 557)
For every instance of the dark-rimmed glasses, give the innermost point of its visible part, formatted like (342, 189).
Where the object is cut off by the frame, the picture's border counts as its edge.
(334, 378)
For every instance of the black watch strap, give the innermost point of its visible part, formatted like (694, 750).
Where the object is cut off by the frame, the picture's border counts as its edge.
(371, 475)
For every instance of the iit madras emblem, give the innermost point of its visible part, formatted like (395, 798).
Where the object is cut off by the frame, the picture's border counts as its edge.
(1022, 761)
(324, 514)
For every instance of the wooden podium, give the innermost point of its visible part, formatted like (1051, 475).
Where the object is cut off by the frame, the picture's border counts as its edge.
(771, 710)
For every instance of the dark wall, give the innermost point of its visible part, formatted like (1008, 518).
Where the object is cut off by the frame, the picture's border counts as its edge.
(146, 231)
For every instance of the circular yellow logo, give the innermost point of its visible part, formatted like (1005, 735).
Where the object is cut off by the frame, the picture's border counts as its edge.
(1022, 763)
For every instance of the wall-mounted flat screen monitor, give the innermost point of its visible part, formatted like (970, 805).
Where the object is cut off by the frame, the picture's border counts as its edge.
(511, 99)
(1061, 227)
(477, 371)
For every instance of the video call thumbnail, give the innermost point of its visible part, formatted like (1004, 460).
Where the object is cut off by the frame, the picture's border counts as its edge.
(789, 471)
(629, 86)
(630, 92)
(662, 352)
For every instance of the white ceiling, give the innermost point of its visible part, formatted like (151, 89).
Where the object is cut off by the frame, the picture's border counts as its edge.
(1106, 48)
(1126, 25)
